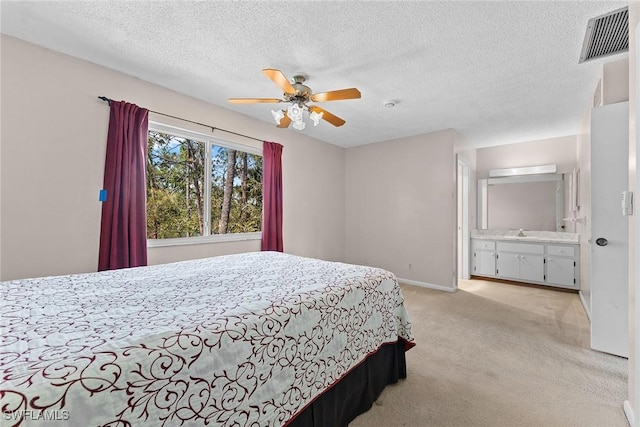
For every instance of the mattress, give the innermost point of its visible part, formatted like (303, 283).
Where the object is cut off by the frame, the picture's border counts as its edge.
(240, 340)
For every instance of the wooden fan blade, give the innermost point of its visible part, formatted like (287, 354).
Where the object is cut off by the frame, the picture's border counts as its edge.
(285, 121)
(336, 95)
(279, 79)
(254, 100)
(334, 120)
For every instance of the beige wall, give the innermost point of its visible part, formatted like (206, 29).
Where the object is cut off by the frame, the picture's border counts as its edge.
(314, 198)
(615, 81)
(561, 151)
(165, 254)
(53, 140)
(400, 207)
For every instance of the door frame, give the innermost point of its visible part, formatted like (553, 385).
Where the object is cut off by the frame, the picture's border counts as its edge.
(462, 221)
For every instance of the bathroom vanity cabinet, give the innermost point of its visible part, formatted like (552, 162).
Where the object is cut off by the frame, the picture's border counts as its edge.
(545, 263)
(520, 261)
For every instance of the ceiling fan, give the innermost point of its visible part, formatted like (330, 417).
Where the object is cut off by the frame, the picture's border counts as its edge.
(299, 95)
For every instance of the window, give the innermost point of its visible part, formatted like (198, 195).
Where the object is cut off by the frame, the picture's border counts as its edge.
(198, 186)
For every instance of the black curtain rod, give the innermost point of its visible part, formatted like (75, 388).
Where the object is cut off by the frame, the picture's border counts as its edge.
(213, 128)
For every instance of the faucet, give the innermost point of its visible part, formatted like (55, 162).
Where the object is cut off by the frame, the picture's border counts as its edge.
(521, 233)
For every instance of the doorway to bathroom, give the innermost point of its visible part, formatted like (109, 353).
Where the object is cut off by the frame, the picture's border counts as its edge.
(462, 185)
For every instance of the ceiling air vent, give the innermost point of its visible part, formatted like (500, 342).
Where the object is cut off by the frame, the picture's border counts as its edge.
(607, 34)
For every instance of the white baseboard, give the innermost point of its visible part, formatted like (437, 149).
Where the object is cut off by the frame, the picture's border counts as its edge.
(426, 285)
(628, 411)
(584, 305)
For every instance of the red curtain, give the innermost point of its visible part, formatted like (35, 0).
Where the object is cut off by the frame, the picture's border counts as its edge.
(123, 231)
(272, 197)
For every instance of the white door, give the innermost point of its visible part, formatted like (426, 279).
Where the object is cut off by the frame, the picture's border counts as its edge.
(609, 229)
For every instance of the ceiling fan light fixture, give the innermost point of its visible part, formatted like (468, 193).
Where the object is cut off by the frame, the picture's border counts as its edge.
(299, 125)
(316, 117)
(298, 96)
(277, 115)
(295, 113)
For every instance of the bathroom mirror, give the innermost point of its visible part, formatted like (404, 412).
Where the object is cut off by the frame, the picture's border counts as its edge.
(531, 202)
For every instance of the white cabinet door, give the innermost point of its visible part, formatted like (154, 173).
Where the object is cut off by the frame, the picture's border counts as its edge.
(508, 265)
(531, 268)
(561, 271)
(484, 263)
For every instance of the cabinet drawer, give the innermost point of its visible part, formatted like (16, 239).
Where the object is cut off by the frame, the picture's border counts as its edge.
(489, 245)
(561, 250)
(527, 248)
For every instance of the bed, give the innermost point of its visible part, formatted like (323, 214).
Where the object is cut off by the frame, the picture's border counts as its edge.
(255, 339)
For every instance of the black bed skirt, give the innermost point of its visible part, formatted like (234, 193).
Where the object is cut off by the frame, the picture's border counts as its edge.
(355, 393)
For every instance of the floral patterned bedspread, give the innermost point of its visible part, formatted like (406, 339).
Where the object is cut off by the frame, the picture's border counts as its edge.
(238, 340)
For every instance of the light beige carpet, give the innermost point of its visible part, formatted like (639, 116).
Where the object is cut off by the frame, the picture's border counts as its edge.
(494, 354)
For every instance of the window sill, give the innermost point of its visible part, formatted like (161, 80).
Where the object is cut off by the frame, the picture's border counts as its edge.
(217, 238)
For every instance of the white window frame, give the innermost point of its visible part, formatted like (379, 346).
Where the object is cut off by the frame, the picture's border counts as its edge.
(209, 141)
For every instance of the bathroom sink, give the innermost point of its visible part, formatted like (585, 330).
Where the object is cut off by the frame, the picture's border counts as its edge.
(525, 237)
(538, 237)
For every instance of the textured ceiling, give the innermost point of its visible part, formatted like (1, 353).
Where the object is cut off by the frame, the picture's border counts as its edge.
(498, 72)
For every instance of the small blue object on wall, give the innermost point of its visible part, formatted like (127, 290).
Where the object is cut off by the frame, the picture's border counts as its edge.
(103, 195)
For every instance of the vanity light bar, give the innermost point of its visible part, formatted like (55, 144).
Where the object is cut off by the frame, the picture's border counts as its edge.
(529, 170)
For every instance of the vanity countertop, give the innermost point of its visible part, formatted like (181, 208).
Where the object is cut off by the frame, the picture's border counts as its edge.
(529, 236)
